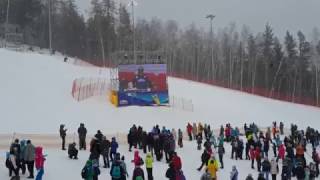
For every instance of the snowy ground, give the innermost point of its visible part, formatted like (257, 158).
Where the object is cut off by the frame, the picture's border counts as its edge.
(35, 97)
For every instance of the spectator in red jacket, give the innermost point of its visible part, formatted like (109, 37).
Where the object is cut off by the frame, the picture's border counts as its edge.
(39, 161)
(176, 161)
(281, 152)
(257, 155)
(252, 156)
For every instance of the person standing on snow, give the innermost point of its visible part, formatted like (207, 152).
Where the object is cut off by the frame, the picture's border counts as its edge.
(281, 126)
(63, 134)
(180, 137)
(234, 173)
(12, 164)
(257, 155)
(199, 142)
(252, 156)
(266, 167)
(204, 159)
(39, 160)
(195, 131)
(87, 171)
(316, 160)
(105, 149)
(138, 173)
(274, 169)
(176, 160)
(29, 156)
(137, 160)
(189, 131)
(22, 155)
(221, 152)
(213, 167)
(149, 165)
(82, 133)
(117, 171)
(114, 147)
(124, 167)
(174, 134)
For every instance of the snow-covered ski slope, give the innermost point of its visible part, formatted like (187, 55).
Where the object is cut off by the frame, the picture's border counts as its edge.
(35, 97)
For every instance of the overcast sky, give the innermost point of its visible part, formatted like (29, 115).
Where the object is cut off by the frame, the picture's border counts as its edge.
(283, 15)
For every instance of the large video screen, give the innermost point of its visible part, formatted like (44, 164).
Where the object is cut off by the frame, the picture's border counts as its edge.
(143, 84)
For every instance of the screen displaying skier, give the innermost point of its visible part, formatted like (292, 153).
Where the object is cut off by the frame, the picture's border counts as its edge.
(144, 84)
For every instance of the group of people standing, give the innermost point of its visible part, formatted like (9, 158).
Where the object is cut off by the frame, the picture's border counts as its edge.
(22, 156)
(290, 150)
(251, 144)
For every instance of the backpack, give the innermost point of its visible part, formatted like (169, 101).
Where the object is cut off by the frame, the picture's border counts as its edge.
(84, 173)
(138, 178)
(116, 172)
(9, 164)
(180, 176)
(141, 162)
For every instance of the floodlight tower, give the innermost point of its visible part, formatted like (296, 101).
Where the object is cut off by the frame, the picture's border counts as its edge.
(50, 31)
(211, 17)
(7, 23)
(133, 3)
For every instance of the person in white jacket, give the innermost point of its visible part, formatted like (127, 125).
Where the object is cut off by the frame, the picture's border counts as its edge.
(274, 169)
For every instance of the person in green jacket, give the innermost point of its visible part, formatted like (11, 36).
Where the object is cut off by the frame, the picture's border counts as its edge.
(87, 172)
(149, 165)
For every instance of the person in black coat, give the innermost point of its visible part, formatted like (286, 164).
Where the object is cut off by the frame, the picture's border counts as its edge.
(63, 134)
(150, 143)
(266, 167)
(72, 151)
(144, 141)
(132, 137)
(95, 149)
(82, 132)
(99, 135)
(105, 149)
(157, 147)
(204, 159)
(299, 171)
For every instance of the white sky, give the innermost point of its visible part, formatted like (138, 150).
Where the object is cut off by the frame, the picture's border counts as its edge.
(283, 15)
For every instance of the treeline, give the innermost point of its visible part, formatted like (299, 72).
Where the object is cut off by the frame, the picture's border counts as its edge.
(260, 63)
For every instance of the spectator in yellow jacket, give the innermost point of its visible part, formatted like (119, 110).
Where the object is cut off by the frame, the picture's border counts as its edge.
(149, 165)
(213, 166)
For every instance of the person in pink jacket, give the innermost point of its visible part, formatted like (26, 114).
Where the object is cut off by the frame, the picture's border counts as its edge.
(281, 152)
(137, 160)
(39, 161)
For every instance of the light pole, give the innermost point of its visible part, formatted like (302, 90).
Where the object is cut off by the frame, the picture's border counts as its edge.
(7, 24)
(132, 4)
(211, 17)
(50, 32)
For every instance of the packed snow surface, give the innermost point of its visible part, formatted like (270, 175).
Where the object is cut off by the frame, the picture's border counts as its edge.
(35, 97)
